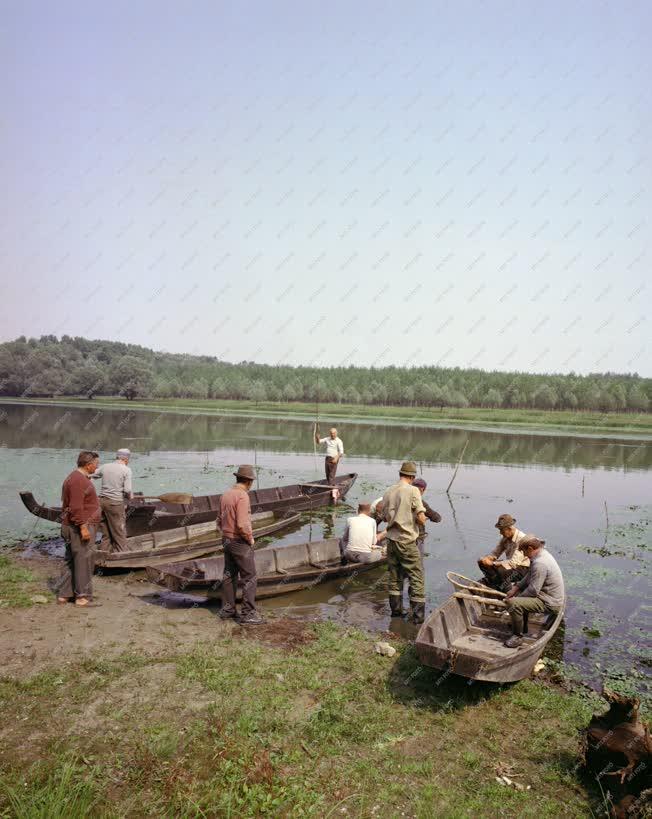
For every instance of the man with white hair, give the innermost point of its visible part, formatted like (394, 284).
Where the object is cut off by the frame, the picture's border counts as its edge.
(116, 488)
(334, 451)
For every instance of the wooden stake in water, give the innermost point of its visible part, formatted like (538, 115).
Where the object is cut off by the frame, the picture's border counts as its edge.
(458, 466)
(256, 465)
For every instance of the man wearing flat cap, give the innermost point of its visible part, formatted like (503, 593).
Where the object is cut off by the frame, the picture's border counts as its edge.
(430, 513)
(234, 519)
(514, 565)
(541, 591)
(116, 488)
(403, 511)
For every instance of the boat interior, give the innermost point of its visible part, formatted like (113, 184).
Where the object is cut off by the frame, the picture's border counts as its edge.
(479, 629)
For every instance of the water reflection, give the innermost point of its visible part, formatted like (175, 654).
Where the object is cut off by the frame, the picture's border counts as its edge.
(26, 426)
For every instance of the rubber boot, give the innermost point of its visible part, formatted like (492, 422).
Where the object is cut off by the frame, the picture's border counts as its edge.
(396, 605)
(418, 613)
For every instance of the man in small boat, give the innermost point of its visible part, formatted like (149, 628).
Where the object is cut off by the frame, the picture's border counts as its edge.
(404, 512)
(334, 452)
(115, 489)
(234, 519)
(361, 542)
(514, 566)
(435, 517)
(80, 516)
(541, 591)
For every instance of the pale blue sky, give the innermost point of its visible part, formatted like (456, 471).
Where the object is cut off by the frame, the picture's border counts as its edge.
(465, 184)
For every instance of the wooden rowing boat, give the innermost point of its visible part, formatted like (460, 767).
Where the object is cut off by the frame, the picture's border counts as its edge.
(188, 542)
(146, 514)
(280, 569)
(466, 636)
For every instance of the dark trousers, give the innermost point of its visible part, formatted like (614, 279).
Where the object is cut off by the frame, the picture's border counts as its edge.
(113, 526)
(331, 468)
(239, 563)
(77, 577)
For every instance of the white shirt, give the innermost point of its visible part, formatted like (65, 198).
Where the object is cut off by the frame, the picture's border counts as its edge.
(334, 446)
(360, 534)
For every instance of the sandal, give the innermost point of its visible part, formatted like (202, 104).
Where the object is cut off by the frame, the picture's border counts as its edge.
(63, 600)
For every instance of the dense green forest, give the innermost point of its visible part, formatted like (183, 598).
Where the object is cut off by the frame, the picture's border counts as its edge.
(49, 366)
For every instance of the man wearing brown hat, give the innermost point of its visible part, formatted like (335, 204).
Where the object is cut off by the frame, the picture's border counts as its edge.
(541, 591)
(515, 564)
(234, 519)
(403, 511)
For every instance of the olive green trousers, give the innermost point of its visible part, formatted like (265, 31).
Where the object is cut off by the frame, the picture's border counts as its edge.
(404, 561)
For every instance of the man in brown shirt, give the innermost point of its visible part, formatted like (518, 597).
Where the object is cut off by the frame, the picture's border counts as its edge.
(234, 519)
(80, 517)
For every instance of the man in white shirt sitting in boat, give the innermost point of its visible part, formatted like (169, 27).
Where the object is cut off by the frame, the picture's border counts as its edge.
(361, 542)
(334, 452)
(541, 591)
(514, 565)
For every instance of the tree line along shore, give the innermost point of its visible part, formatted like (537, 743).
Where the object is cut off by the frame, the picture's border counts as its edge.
(51, 367)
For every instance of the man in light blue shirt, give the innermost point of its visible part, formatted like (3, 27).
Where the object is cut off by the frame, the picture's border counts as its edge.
(116, 488)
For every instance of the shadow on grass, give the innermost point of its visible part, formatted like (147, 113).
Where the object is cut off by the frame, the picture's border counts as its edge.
(411, 683)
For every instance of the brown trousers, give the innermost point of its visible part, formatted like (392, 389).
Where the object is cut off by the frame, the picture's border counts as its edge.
(331, 468)
(77, 577)
(239, 563)
(113, 526)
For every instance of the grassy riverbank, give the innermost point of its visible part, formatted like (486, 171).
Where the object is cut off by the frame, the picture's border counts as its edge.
(137, 709)
(586, 423)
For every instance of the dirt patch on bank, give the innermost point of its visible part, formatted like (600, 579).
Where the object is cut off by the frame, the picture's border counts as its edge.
(283, 633)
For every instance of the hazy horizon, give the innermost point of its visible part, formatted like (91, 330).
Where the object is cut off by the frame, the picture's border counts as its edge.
(432, 185)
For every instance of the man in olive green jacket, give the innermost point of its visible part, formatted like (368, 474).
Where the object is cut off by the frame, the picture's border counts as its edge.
(403, 511)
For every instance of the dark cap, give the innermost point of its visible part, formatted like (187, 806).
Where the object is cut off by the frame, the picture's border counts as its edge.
(246, 471)
(531, 541)
(408, 468)
(420, 483)
(504, 521)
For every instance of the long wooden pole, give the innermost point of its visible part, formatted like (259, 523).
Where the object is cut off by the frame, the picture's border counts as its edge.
(457, 467)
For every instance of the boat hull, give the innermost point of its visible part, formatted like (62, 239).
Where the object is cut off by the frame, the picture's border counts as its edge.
(466, 638)
(189, 542)
(280, 570)
(145, 515)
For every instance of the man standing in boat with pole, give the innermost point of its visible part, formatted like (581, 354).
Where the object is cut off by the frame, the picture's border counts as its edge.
(334, 452)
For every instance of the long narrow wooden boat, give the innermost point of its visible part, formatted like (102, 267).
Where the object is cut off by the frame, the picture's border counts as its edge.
(188, 542)
(280, 570)
(466, 636)
(145, 514)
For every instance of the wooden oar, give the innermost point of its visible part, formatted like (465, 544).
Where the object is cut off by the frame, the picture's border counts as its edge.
(488, 600)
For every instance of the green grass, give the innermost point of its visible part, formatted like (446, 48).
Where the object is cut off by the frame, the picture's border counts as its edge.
(242, 729)
(17, 584)
(561, 420)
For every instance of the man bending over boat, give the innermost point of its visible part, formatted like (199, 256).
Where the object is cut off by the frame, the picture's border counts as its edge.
(234, 519)
(435, 517)
(515, 564)
(541, 590)
(116, 488)
(361, 541)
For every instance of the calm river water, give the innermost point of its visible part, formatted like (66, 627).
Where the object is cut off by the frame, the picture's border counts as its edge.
(559, 487)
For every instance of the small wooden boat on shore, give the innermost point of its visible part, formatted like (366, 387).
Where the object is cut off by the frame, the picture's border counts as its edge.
(146, 514)
(185, 543)
(280, 570)
(466, 635)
